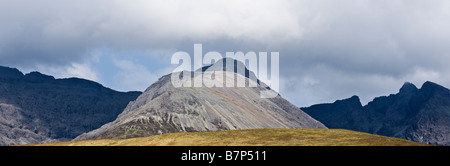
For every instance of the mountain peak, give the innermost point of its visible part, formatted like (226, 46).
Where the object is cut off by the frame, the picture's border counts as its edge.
(430, 84)
(408, 87)
(223, 64)
(7, 72)
(164, 108)
(36, 76)
(431, 87)
(355, 99)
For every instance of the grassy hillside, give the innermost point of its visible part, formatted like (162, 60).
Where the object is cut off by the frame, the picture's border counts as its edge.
(252, 137)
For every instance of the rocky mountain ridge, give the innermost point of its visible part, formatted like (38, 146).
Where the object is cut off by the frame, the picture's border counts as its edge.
(37, 108)
(420, 115)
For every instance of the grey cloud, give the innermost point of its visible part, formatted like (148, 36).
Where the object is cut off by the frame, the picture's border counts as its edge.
(367, 48)
(328, 49)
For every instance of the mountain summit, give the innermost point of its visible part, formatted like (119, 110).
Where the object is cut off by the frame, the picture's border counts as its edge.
(163, 108)
(408, 87)
(420, 115)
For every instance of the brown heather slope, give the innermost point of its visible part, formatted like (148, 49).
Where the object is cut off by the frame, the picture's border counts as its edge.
(252, 137)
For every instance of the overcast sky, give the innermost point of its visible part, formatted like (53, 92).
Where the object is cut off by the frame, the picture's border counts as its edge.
(328, 49)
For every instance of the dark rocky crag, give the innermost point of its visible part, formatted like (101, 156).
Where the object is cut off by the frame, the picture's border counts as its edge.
(37, 108)
(420, 115)
(163, 108)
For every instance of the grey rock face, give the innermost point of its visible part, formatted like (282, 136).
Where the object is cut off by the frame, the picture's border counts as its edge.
(36, 108)
(13, 128)
(421, 115)
(163, 108)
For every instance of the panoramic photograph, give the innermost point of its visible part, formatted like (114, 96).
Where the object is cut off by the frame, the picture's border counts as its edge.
(224, 74)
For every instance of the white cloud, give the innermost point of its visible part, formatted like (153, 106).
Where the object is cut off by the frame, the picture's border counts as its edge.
(82, 71)
(133, 76)
(165, 23)
(73, 70)
(420, 75)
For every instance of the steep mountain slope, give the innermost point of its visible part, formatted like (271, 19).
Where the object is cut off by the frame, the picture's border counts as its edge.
(163, 108)
(421, 115)
(36, 108)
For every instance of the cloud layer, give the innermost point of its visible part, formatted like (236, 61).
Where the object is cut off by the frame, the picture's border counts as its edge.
(328, 49)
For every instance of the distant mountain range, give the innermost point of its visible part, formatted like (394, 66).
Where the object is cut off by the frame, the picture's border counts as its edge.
(162, 108)
(420, 115)
(37, 108)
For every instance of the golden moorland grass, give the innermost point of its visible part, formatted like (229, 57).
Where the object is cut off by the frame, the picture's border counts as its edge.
(252, 137)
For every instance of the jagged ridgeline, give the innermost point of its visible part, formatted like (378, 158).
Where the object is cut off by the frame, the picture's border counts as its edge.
(37, 108)
(420, 115)
(163, 108)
